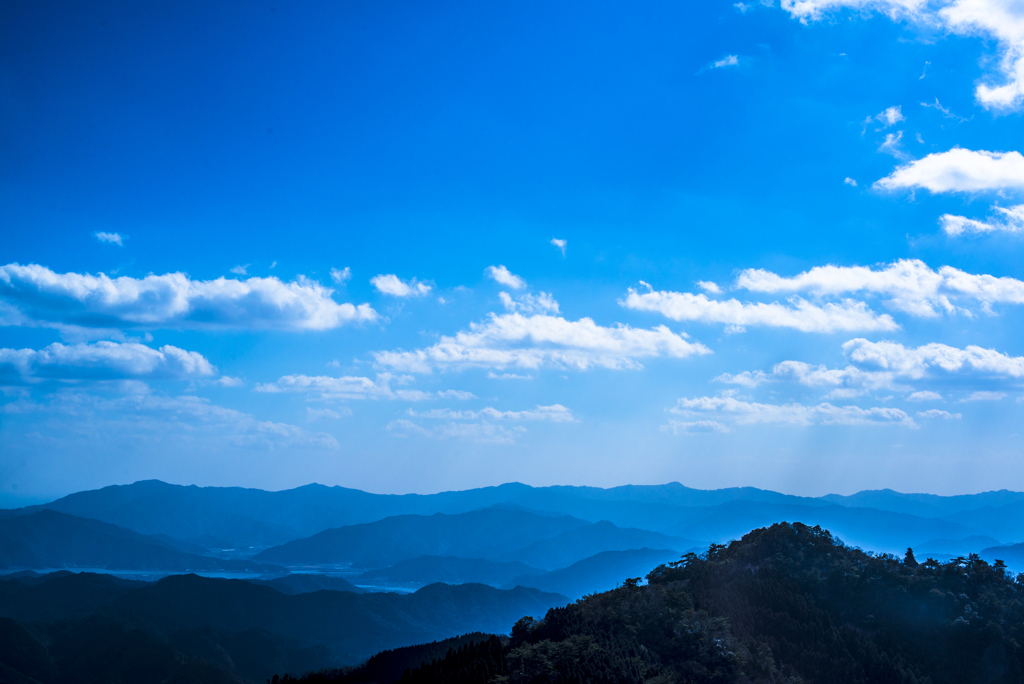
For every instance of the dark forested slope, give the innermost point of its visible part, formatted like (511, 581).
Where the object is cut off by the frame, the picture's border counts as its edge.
(787, 603)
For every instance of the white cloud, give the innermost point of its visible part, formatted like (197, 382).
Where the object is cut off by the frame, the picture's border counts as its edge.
(560, 244)
(1011, 221)
(35, 295)
(146, 418)
(345, 387)
(910, 284)
(677, 427)
(114, 238)
(919, 362)
(749, 379)
(996, 19)
(850, 181)
(340, 277)
(478, 432)
(529, 304)
(984, 396)
(556, 413)
(937, 413)
(893, 145)
(241, 270)
(482, 426)
(925, 396)
(391, 284)
(709, 286)
(273, 264)
(800, 314)
(105, 361)
(507, 376)
(959, 170)
(742, 412)
(456, 394)
(890, 116)
(518, 341)
(318, 414)
(727, 61)
(505, 277)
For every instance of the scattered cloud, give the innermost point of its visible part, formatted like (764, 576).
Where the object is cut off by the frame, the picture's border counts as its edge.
(477, 432)
(556, 413)
(679, 427)
(560, 244)
(995, 19)
(35, 295)
(925, 396)
(113, 238)
(919, 362)
(800, 314)
(984, 396)
(937, 413)
(733, 410)
(890, 116)
(144, 418)
(516, 341)
(849, 181)
(273, 264)
(456, 394)
(893, 145)
(709, 286)
(341, 277)
(910, 285)
(959, 170)
(505, 277)
(391, 284)
(241, 270)
(507, 376)
(228, 381)
(529, 304)
(331, 414)
(103, 361)
(1011, 220)
(727, 61)
(942, 110)
(749, 379)
(348, 387)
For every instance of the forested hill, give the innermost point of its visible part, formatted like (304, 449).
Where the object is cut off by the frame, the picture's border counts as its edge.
(787, 603)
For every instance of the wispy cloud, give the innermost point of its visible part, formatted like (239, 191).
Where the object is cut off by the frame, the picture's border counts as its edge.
(341, 276)
(1008, 220)
(737, 411)
(560, 244)
(1002, 21)
(113, 238)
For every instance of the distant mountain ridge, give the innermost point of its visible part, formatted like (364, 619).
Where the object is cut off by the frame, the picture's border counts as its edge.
(238, 518)
(49, 539)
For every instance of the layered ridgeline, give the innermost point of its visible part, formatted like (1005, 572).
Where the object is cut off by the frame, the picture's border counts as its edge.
(64, 627)
(237, 518)
(784, 604)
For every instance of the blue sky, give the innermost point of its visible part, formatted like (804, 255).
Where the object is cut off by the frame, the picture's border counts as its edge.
(415, 248)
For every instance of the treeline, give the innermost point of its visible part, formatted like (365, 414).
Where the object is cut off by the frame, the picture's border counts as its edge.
(788, 603)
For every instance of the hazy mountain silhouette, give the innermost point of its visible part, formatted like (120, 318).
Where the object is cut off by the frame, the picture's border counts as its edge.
(48, 539)
(486, 533)
(91, 627)
(448, 569)
(232, 517)
(575, 545)
(308, 583)
(600, 572)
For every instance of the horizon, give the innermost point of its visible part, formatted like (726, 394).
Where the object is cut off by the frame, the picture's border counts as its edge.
(409, 249)
(503, 484)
